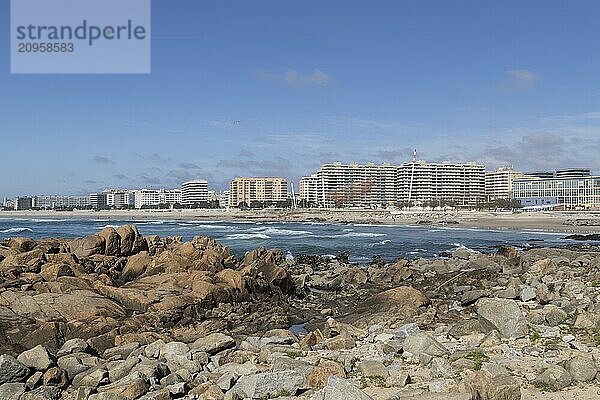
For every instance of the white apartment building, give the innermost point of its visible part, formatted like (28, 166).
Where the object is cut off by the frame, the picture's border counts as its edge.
(353, 184)
(194, 192)
(566, 190)
(311, 190)
(370, 184)
(155, 197)
(245, 191)
(220, 197)
(499, 183)
(53, 202)
(455, 184)
(224, 199)
(118, 198)
(8, 203)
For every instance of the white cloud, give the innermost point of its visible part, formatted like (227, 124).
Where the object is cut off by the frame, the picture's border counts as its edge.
(523, 75)
(520, 79)
(296, 80)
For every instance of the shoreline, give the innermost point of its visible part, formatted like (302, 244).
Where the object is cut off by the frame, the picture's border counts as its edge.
(559, 222)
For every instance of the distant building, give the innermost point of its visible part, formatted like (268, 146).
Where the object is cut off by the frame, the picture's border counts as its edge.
(356, 184)
(371, 185)
(568, 189)
(194, 192)
(540, 174)
(311, 189)
(454, 184)
(572, 173)
(8, 204)
(23, 203)
(54, 202)
(224, 199)
(157, 197)
(98, 201)
(118, 198)
(219, 198)
(248, 191)
(499, 183)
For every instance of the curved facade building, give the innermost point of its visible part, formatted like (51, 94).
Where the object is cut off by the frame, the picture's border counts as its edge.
(194, 192)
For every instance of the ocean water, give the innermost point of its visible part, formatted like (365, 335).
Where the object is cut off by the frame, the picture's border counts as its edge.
(361, 241)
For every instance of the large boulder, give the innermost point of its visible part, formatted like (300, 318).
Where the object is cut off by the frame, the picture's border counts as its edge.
(50, 318)
(29, 261)
(232, 278)
(554, 378)
(52, 271)
(131, 240)
(131, 386)
(483, 386)
(112, 240)
(169, 262)
(503, 315)
(136, 266)
(87, 246)
(269, 385)
(340, 389)
(317, 378)
(588, 320)
(213, 343)
(10, 391)
(423, 344)
(273, 256)
(11, 370)
(389, 307)
(276, 276)
(36, 358)
(42, 393)
(20, 245)
(582, 369)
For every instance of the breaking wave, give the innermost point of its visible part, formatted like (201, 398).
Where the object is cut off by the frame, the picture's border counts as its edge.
(361, 234)
(204, 226)
(246, 236)
(107, 226)
(16, 230)
(381, 243)
(280, 232)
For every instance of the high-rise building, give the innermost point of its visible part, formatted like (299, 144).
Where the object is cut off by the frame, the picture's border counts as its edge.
(454, 184)
(23, 203)
(118, 198)
(98, 201)
(353, 184)
(311, 189)
(247, 191)
(499, 183)
(420, 183)
(224, 199)
(194, 192)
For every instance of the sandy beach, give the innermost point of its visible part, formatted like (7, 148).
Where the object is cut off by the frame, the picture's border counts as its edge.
(567, 222)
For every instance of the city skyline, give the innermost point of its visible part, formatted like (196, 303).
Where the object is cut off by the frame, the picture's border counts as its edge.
(210, 187)
(277, 89)
(213, 188)
(418, 183)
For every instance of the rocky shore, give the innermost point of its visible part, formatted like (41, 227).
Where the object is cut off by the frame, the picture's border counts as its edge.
(116, 316)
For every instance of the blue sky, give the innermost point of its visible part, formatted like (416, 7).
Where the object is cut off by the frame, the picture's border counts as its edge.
(276, 88)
